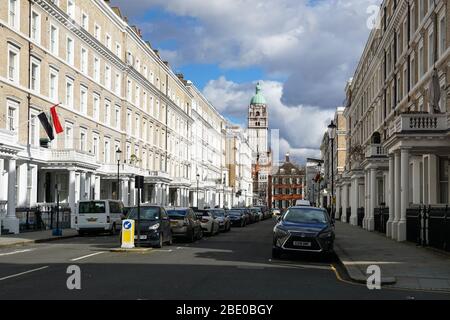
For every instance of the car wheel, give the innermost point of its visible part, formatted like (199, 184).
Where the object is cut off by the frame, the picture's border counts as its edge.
(200, 234)
(113, 230)
(81, 233)
(160, 244)
(276, 253)
(192, 237)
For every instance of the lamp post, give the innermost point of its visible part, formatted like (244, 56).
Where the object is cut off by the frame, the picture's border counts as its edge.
(118, 153)
(224, 182)
(198, 181)
(318, 191)
(332, 134)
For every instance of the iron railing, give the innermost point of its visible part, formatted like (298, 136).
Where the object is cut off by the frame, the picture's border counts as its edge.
(429, 226)
(381, 217)
(360, 214)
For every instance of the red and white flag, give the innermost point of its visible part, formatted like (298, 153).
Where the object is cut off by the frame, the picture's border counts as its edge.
(56, 123)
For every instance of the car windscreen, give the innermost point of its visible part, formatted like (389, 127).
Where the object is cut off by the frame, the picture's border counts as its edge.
(217, 213)
(92, 207)
(297, 215)
(177, 214)
(234, 213)
(147, 213)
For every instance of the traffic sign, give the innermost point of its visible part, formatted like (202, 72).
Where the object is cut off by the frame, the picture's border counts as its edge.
(128, 234)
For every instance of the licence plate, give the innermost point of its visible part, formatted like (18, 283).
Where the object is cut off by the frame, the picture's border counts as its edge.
(142, 237)
(302, 244)
(174, 223)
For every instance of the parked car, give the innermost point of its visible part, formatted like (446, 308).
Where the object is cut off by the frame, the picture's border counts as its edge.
(265, 212)
(154, 225)
(237, 218)
(276, 212)
(209, 223)
(246, 214)
(185, 224)
(224, 221)
(303, 229)
(259, 216)
(99, 216)
(303, 203)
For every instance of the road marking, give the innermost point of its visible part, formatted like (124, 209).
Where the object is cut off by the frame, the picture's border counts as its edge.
(23, 273)
(15, 252)
(163, 250)
(87, 256)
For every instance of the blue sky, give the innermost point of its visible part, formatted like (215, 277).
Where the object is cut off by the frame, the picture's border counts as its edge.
(302, 51)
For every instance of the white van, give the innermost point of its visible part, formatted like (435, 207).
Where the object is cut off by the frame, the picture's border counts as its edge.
(99, 216)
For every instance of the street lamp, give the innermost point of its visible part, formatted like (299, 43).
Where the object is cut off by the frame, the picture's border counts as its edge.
(332, 134)
(318, 191)
(118, 153)
(198, 181)
(224, 182)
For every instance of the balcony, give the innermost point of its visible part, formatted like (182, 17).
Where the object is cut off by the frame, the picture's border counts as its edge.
(8, 138)
(72, 157)
(375, 150)
(419, 122)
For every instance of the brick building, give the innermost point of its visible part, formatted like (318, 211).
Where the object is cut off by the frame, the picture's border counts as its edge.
(286, 185)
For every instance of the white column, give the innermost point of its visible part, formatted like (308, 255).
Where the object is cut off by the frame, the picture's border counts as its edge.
(72, 201)
(344, 202)
(83, 193)
(366, 198)
(11, 222)
(391, 187)
(401, 234)
(432, 179)
(34, 186)
(124, 192)
(133, 200)
(397, 194)
(416, 181)
(22, 185)
(167, 195)
(338, 201)
(355, 202)
(97, 188)
(373, 197)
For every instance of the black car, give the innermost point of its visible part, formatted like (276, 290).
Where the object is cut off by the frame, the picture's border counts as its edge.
(303, 229)
(154, 225)
(237, 218)
(185, 224)
(249, 218)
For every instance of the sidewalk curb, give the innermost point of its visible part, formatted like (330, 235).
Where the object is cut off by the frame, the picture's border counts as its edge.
(355, 273)
(29, 241)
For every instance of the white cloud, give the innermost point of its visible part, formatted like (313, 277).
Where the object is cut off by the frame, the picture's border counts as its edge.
(315, 44)
(301, 127)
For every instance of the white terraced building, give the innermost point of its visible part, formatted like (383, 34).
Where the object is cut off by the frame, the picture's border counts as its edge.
(398, 145)
(115, 93)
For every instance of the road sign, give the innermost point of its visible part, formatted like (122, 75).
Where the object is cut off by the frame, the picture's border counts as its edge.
(128, 234)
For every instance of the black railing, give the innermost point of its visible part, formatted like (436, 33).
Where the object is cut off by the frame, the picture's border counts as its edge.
(43, 218)
(381, 217)
(361, 214)
(429, 226)
(340, 214)
(349, 214)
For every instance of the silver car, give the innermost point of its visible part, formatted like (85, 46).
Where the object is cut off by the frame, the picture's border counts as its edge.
(224, 221)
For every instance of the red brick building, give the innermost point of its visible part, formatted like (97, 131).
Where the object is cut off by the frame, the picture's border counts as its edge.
(286, 185)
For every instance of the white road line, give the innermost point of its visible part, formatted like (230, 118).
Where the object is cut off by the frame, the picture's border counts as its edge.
(23, 273)
(87, 256)
(15, 252)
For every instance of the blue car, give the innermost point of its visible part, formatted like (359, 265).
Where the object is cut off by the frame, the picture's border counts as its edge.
(303, 229)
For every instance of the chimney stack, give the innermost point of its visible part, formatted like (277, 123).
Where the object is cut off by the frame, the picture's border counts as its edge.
(288, 158)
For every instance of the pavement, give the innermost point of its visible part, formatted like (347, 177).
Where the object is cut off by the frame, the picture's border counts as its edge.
(230, 266)
(34, 237)
(403, 265)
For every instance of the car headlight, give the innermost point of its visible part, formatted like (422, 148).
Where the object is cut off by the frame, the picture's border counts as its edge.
(326, 234)
(281, 232)
(154, 227)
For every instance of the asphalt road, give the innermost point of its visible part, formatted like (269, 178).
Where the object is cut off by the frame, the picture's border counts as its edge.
(232, 266)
